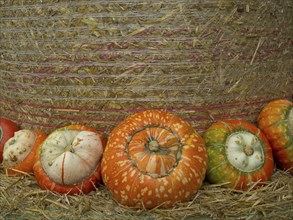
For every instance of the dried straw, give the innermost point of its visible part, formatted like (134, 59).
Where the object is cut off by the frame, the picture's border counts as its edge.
(21, 198)
(94, 62)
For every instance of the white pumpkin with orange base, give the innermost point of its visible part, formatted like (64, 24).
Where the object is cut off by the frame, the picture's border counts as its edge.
(68, 161)
(19, 151)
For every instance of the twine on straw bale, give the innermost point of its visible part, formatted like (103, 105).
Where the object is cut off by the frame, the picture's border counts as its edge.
(95, 62)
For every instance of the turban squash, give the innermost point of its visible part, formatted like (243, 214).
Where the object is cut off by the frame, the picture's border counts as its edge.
(154, 158)
(7, 129)
(239, 154)
(68, 161)
(276, 122)
(20, 150)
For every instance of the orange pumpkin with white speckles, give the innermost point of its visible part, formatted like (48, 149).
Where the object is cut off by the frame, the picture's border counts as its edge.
(154, 158)
(276, 121)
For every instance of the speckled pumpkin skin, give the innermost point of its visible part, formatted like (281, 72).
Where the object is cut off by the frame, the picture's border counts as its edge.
(140, 174)
(220, 170)
(274, 122)
(26, 166)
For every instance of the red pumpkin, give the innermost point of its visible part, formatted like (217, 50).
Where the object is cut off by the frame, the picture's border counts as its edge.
(154, 158)
(276, 122)
(7, 129)
(239, 154)
(20, 150)
(68, 161)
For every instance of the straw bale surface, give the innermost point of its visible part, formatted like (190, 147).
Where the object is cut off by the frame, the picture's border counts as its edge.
(21, 198)
(95, 62)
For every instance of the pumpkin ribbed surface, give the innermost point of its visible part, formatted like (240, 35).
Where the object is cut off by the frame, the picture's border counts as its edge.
(71, 156)
(68, 161)
(155, 151)
(239, 154)
(245, 151)
(276, 121)
(154, 158)
(18, 147)
(20, 150)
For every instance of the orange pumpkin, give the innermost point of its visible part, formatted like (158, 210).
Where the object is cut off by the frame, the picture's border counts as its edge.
(154, 158)
(20, 150)
(7, 129)
(276, 121)
(68, 161)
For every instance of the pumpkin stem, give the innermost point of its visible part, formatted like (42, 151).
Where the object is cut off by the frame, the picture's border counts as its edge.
(154, 146)
(69, 148)
(248, 150)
